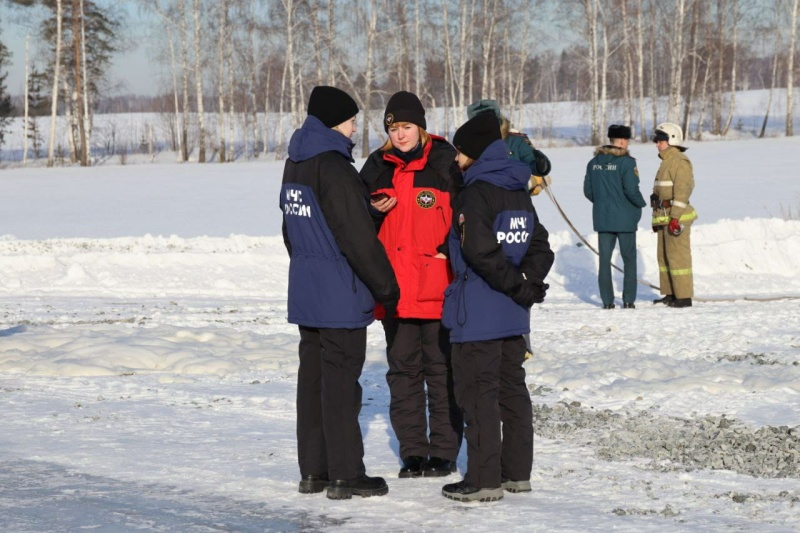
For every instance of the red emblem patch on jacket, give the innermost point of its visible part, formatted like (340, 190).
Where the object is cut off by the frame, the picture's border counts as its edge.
(426, 199)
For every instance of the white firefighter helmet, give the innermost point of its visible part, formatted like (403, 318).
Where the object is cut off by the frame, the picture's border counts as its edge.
(673, 133)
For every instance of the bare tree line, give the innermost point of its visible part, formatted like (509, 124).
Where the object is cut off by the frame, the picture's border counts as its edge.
(252, 61)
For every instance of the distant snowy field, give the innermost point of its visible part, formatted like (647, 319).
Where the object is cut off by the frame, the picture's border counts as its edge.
(147, 372)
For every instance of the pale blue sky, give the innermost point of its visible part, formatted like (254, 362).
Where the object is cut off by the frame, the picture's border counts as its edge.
(134, 68)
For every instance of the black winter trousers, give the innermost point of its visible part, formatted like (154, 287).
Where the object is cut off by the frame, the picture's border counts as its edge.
(418, 353)
(490, 388)
(329, 437)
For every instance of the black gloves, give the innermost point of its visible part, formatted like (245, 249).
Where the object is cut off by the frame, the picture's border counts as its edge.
(543, 166)
(539, 290)
(654, 201)
(529, 292)
(523, 294)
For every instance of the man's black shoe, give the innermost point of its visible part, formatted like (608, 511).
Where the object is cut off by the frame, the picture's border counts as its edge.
(313, 484)
(665, 300)
(609, 306)
(438, 467)
(629, 306)
(680, 302)
(412, 466)
(365, 486)
(464, 493)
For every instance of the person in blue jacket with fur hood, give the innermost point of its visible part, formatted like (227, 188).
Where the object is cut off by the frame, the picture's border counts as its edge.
(337, 269)
(500, 255)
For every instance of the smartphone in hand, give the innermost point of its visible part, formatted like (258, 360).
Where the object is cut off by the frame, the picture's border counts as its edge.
(378, 196)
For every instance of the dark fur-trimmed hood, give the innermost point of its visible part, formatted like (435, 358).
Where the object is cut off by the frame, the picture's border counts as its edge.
(608, 149)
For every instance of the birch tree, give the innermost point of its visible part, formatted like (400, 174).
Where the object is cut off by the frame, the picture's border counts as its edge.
(87, 114)
(289, 11)
(640, 70)
(253, 78)
(603, 75)
(627, 89)
(591, 8)
(169, 26)
(790, 70)
(331, 47)
(676, 62)
(651, 49)
(695, 65)
(719, 67)
(26, 104)
(402, 50)
(417, 50)
(489, 26)
(231, 87)
(54, 96)
(448, 66)
(185, 79)
(734, 59)
(318, 40)
(371, 22)
(198, 81)
(222, 37)
(777, 39)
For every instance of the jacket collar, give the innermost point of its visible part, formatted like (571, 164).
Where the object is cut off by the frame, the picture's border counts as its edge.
(413, 165)
(494, 166)
(314, 138)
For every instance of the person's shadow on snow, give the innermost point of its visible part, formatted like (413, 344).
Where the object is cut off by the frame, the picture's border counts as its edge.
(11, 331)
(375, 404)
(578, 266)
(375, 408)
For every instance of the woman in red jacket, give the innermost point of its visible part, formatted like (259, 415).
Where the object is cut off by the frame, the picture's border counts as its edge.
(412, 178)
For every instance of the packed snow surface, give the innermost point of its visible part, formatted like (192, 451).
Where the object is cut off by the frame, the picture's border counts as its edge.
(148, 374)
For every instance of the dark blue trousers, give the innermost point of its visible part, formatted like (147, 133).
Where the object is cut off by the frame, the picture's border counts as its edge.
(607, 241)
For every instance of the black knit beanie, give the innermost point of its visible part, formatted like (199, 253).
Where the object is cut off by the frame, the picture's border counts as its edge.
(404, 106)
(331, 105)
(615, 131)
(472, 138)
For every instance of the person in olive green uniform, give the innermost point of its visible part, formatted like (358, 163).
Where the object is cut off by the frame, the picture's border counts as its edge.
(673, 217)
(612, 185)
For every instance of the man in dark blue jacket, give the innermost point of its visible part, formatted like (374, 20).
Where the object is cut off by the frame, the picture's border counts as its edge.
(337, 269)
(500, 256)
(612, 185)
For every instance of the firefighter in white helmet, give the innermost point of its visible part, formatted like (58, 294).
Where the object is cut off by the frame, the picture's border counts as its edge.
(673, 216)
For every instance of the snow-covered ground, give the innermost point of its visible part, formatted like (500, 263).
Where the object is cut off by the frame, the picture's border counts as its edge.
(147, 372)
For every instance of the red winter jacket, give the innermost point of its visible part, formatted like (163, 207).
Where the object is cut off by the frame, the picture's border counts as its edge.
(416, 229)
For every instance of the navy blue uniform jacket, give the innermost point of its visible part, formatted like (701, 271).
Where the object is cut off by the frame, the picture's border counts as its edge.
(338, 267)
(495, 238)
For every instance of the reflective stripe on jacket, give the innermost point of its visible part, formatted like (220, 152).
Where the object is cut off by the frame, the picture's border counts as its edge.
(674, 182)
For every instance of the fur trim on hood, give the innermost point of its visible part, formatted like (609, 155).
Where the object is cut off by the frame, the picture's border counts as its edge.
(616, 151)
